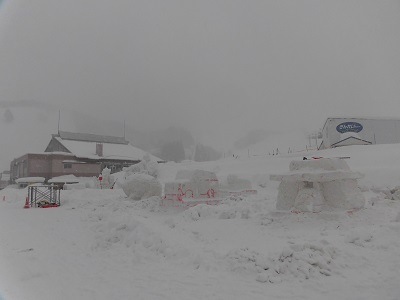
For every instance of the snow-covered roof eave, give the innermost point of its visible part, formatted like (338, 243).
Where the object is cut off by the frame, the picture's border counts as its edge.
(30, 180)
(117, 152)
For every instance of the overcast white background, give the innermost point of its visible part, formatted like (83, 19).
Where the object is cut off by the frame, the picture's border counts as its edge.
(223, 66)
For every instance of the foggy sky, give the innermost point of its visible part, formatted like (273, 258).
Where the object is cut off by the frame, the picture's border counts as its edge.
(216, 67)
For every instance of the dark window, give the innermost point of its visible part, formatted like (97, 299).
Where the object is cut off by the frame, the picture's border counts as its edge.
(67, 166)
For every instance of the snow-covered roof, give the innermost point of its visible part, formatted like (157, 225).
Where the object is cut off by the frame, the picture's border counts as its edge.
(64, 179)
(30, 180)
(88, 137)
(51, 153)
(72, 162)
(87, 149)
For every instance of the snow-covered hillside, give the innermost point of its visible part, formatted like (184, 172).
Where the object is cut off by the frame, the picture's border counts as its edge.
(101, 245)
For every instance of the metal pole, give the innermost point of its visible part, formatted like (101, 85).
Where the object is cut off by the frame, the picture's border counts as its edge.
(59, 117)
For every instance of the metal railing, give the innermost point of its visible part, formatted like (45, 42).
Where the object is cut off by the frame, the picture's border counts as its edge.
(43, 195)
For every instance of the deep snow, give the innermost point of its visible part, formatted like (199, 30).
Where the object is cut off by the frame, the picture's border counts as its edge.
(101, 245)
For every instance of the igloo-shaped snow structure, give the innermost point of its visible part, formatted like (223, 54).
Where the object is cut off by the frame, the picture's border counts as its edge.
(319, 184)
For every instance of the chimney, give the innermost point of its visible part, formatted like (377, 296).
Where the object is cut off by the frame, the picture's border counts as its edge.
(99, 149)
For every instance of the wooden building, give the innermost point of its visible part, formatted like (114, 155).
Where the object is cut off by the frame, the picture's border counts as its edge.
(82, 155)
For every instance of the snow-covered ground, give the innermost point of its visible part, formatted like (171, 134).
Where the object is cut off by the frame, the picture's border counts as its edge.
(101, 245)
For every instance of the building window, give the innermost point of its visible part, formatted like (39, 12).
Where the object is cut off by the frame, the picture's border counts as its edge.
(67, 166)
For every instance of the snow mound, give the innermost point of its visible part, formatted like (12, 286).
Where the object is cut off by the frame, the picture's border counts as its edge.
(359, 238)
(235, 207)
(389, 193)
(397, 219)
(151, 204)
(297, 262)
(139, 186)
(145, 166)
(134, 236)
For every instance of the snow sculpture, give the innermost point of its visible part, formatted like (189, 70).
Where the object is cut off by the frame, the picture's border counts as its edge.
(319, 184)
(145, 166)
(139, 186)
(107, 179)
(192, 187)
(140, 180)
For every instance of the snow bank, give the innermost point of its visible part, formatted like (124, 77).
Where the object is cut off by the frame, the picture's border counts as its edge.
(300, 261)
(132, 234)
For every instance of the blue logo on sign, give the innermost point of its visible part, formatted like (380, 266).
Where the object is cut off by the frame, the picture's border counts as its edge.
(349, 127)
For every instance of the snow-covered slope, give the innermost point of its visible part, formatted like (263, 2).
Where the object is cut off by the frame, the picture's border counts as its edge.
(101, 245)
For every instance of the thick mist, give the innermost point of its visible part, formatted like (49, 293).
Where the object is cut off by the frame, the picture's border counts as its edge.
(217, 68)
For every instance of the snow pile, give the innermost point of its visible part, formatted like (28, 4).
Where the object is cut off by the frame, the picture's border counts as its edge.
(314, 165)
(140, 180)
(300, 261)
(134, 235)
(390, 193)
(234, 183)
(359, 238)
(145, 166)
(234, 207)
(139, 186)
